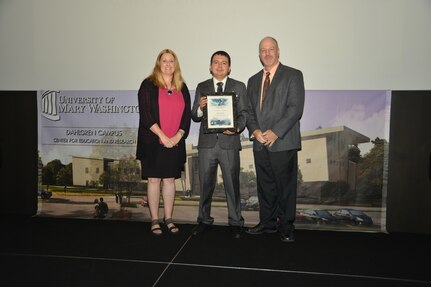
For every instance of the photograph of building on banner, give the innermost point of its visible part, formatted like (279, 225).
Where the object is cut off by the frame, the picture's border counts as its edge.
(87, 146)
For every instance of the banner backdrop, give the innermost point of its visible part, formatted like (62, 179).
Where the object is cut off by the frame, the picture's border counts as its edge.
(87, 144)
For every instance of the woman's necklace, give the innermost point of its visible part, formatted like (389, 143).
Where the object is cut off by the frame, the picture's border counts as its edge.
(169, 86)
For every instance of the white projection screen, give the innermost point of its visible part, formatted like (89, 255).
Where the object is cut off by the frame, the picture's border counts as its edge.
(112, 45)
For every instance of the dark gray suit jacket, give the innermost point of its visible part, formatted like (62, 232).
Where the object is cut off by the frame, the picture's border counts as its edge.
(282, 110)
(225, 141)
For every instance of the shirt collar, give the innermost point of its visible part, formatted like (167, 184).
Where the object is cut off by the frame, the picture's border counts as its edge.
(215, 81)
(272, 70)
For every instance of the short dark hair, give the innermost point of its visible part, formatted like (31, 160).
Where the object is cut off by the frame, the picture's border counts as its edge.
(222, 53)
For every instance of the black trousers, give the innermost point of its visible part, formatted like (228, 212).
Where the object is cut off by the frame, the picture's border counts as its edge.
(277, 174)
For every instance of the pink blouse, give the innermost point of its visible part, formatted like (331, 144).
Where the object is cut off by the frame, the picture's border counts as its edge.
(171, 108)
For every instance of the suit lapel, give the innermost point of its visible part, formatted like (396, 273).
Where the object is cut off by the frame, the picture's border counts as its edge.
(210, 87)
(229, 86)
(276, 79)
(259, 85)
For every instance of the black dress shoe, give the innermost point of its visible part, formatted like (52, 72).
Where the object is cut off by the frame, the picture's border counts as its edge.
(260, 229)
(201, 228)
(287, 237)
(236, 231)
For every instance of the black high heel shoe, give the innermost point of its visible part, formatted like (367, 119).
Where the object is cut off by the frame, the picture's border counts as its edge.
(173, 229)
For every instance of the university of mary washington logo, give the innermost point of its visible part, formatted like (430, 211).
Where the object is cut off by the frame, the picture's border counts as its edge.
(49, 105)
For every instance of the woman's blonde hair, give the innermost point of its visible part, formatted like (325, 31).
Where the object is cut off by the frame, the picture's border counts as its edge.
(157, 78)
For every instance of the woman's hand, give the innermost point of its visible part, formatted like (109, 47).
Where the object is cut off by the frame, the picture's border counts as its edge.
(167, 142)
(177, 137)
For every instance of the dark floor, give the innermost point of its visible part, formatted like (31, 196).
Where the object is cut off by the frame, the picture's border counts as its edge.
(69, 252)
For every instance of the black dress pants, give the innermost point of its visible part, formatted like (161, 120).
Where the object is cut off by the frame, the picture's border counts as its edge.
(277, 174)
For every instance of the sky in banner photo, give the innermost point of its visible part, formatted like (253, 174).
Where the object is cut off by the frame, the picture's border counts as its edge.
(104, 123)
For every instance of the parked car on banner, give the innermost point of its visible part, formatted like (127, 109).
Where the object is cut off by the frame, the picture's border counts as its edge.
(353, 216)
(319, 216)
(44, 194)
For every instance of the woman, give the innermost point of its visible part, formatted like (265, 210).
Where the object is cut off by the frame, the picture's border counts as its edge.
(164, 123)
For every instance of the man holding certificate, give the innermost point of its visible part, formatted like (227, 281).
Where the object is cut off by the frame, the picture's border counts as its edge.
(220, 106)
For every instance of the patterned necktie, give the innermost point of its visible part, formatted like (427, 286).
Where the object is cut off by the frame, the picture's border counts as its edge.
(265, 88)
(220, 87)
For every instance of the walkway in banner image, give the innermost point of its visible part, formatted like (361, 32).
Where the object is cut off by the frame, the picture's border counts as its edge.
(185, 212)
(83, 207)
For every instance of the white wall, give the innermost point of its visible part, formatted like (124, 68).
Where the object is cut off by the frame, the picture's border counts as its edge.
(112, 44)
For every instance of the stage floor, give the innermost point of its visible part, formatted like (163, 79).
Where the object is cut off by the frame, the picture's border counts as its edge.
(83, 252)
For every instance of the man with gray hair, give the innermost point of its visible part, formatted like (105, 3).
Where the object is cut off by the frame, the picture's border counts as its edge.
(276, 103)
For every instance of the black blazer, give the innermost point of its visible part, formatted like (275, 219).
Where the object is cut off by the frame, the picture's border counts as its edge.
(225, 141)
(283, 108)
(148, 99)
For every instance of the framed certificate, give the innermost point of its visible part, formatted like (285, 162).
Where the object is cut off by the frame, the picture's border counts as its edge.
(220, 113)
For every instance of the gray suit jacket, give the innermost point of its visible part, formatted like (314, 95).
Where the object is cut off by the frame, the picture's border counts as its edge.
(282, 110)
(225, 141)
